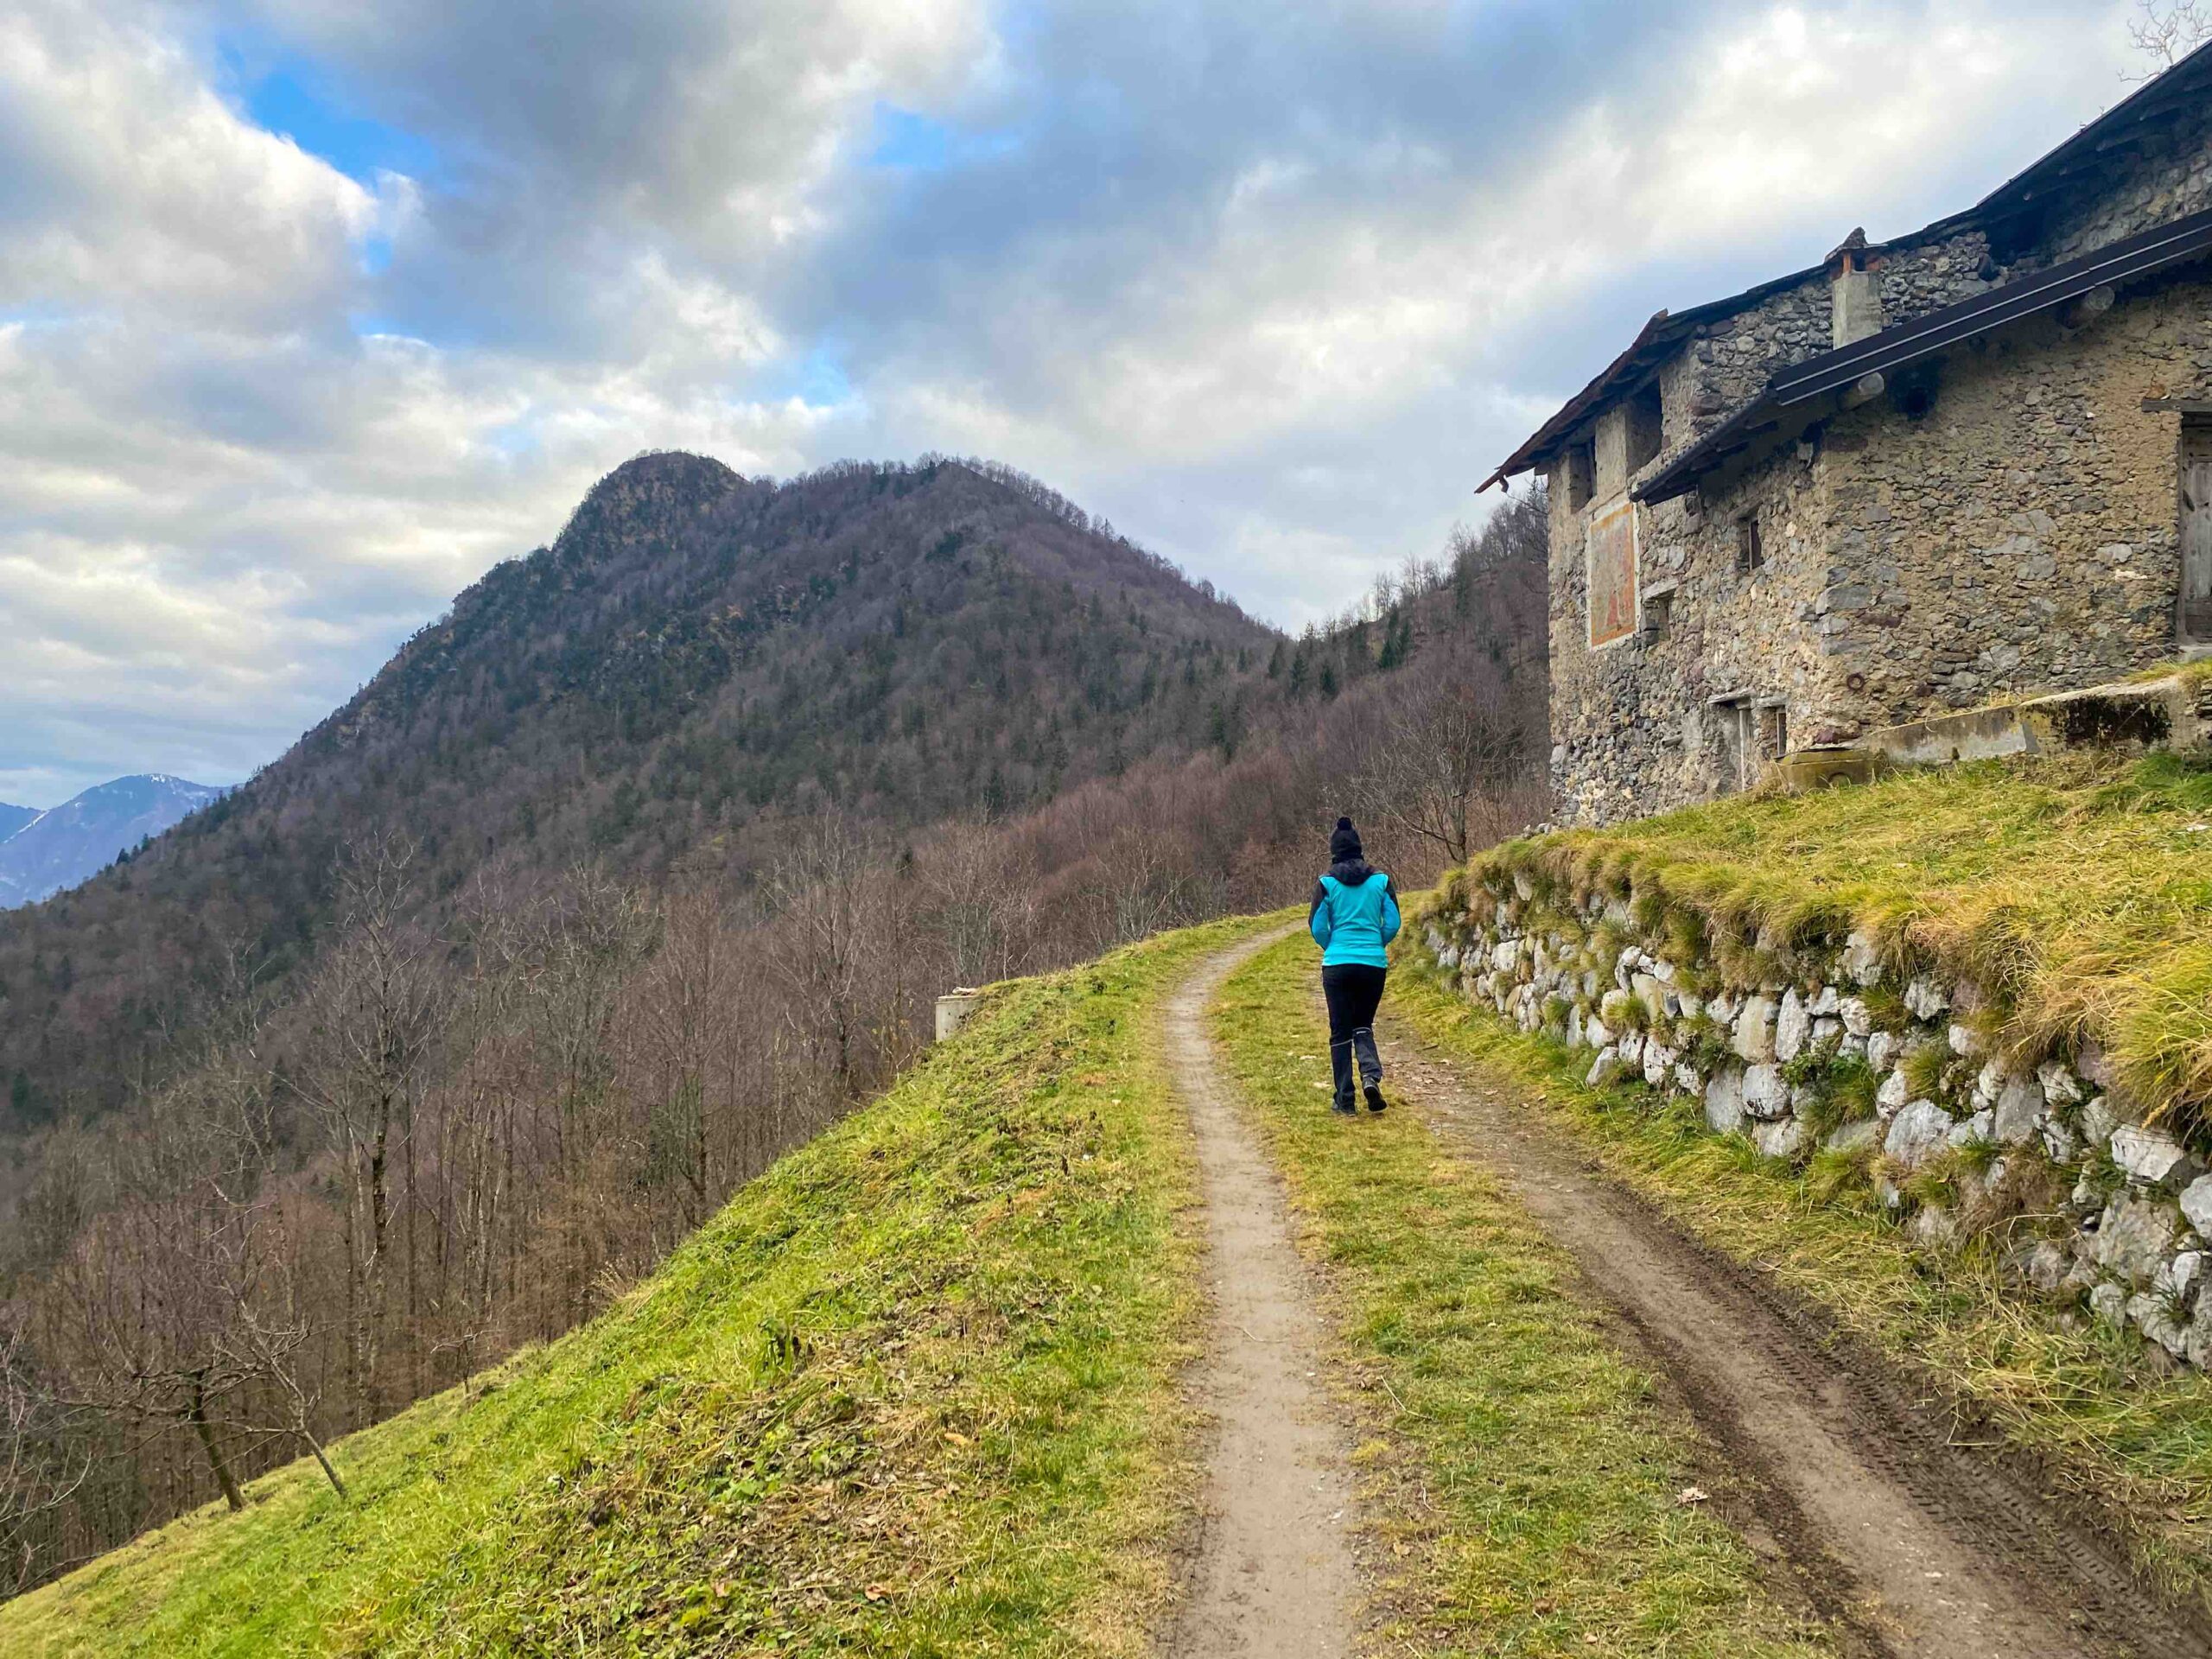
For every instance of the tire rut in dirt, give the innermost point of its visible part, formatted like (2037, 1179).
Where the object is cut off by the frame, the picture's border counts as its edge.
(1271, 1573)
(1949, 1549)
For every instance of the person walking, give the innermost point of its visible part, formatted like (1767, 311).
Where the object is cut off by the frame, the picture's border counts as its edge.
(1355, 915)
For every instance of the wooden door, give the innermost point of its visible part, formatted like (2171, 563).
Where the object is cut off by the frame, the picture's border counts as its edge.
(2196, 531)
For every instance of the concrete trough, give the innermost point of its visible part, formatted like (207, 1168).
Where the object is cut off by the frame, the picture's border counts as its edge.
(953, 1009)
(2128, 715)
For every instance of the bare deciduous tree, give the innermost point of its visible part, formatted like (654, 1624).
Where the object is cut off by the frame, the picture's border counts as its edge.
(41, 1464)
(376, 1005)
(2168, 32)
(1444, 746)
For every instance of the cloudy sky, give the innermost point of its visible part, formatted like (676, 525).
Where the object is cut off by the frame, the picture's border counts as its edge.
(310, 312)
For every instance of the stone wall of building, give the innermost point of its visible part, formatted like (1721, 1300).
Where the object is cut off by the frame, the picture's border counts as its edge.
(2167, 175)
(2018, 536)
(1634, 728)
(1730, 361)
(1926, 276)
(1838, 1050)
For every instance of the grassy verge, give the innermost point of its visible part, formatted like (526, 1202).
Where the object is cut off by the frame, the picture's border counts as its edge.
(2141, 1446)
(910, 1393)
(2075, 891)
(1524, 1478)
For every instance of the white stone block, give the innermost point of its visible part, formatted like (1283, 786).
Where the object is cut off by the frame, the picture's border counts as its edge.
(2098, 1121)
(1792, 1027)
(1920, 1128)
(1858, 1019)
(2060, 1086)
(1852, 1136)
(1754, 1035)
(1782, 1140)
(1974, 1127)
(1892, 1096)
(2197, 1204)
(1924, 998)
(2134, 1237)
(2019, 1109)
(2150, 1157)
(1724, 1101)
(1765, 1094)
(2175, 1279)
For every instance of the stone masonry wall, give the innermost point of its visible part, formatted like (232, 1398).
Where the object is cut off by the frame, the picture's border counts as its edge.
(1926, 276)
(1633, 729)
(2021, 535)
(2168, 176)
(1837, 1051)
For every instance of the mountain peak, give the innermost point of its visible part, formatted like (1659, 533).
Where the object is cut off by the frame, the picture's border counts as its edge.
(49, 852)
(667, 469)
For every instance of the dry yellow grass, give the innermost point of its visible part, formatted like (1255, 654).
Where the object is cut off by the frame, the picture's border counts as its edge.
(2075, 890)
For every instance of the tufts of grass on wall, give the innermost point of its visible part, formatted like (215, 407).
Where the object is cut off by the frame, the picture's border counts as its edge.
(2075, 891)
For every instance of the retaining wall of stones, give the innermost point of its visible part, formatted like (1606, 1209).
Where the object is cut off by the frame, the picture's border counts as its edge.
(1845, 1054)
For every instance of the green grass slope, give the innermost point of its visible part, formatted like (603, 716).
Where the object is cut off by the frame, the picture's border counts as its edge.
(910, 1393)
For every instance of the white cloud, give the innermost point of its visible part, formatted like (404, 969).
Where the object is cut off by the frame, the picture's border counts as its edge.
(135, 187)
(1271, 287)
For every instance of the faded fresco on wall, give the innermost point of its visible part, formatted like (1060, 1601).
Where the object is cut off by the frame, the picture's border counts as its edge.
(1612, 567)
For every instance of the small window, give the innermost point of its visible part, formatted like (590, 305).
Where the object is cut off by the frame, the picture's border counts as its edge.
(1658, 615)
(1750, 552)
(1774, 733)
(1646, 427)
(1581, 473)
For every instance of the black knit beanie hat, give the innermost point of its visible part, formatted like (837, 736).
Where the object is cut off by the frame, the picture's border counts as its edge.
(1344, 841)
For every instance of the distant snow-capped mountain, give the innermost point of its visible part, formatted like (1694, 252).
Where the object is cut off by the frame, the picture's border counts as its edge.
(44, 853)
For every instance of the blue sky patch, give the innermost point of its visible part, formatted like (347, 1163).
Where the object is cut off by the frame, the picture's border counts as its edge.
(908, 141)
(291, 98)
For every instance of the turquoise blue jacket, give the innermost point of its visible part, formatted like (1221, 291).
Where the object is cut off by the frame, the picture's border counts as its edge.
(1355, 914)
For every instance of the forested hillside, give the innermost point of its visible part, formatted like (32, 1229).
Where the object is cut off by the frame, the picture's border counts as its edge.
(693, 660)
(639, 867)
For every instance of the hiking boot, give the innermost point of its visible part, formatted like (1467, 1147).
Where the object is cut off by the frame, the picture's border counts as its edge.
(1344, 1109)
(1370, 1068)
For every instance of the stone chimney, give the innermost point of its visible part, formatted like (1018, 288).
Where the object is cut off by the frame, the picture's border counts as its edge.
(1854, 296)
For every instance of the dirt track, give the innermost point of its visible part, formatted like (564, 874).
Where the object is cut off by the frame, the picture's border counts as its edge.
(1916, 1545)
(1271, 1571)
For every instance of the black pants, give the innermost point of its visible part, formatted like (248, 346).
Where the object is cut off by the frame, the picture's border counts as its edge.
(1353, 991)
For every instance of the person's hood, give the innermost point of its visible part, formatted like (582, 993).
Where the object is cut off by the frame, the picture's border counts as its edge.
(1351, 871)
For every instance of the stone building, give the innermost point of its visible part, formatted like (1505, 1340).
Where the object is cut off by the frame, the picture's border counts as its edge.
(1967, 463)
